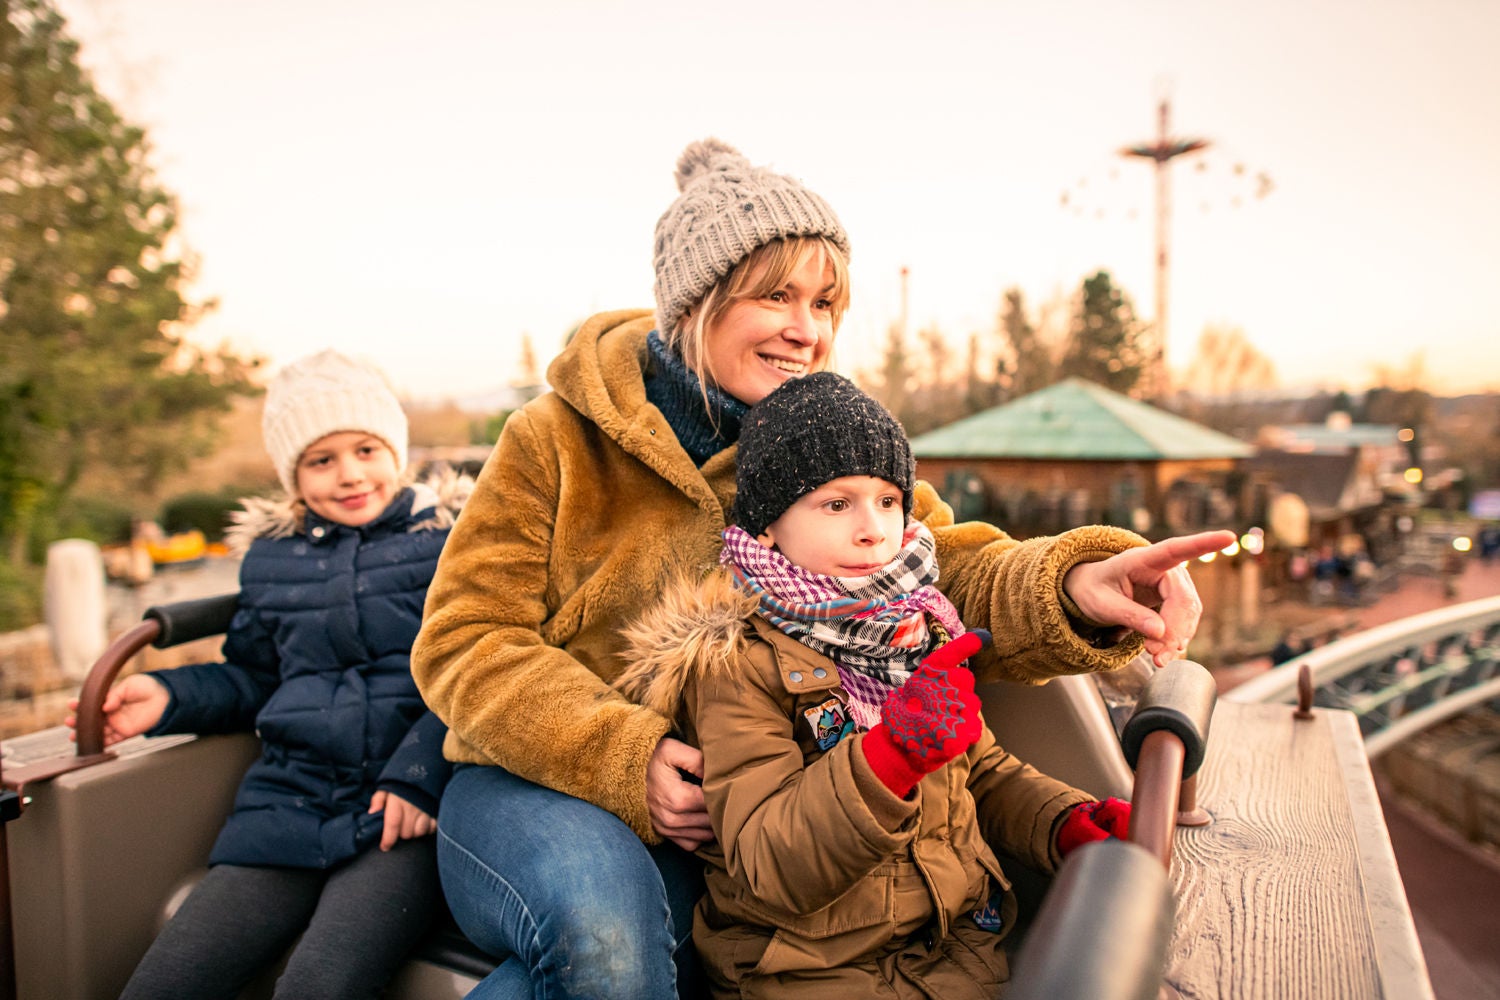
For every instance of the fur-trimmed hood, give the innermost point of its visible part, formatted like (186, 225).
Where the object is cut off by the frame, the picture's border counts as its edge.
(445, 491)
(696, 628)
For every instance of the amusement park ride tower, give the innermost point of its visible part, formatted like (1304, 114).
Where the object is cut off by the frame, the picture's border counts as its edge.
(1162, 152)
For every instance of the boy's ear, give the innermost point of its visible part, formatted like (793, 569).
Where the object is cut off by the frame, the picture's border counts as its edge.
(766, 539)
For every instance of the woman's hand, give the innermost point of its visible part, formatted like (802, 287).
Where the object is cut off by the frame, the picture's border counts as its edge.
(1126, 588)
(403, 821)
(130, 708)
(676, 804)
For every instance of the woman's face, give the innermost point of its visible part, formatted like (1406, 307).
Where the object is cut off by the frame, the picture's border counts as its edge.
(759, 343)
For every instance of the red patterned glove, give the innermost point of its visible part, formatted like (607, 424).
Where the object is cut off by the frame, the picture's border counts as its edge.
(1091, 821)
(931, 719)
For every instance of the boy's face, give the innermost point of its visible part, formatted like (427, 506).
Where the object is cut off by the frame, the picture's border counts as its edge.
(348, 477)
(850, 526)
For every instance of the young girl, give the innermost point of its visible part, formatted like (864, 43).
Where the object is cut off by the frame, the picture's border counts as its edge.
(329, 834)
(857, 797)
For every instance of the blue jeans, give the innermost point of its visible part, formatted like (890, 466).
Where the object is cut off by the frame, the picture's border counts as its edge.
(565, 892)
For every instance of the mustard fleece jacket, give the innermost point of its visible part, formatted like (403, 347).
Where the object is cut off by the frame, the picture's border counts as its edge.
(586, 509)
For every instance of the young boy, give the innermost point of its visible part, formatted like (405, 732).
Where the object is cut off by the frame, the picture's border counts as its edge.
(329, 834)
(855, 792)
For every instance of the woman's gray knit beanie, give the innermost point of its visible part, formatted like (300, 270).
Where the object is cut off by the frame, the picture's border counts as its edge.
(727, 209)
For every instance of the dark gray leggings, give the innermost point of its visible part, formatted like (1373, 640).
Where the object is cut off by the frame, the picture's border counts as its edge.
(357, 922)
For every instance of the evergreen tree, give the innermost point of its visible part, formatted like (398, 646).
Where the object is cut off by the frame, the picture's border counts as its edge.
(1104, 338)
(979, 392)
(1030, 366)
(895, 373)
(93, 370)
(939, 398)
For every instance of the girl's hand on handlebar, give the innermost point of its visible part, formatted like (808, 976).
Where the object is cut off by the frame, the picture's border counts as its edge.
(130, 708)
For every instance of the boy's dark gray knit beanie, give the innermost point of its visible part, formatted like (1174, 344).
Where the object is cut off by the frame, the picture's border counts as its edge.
(808, 432)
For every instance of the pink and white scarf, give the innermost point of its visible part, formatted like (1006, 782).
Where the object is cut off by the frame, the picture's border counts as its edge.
(874, 628)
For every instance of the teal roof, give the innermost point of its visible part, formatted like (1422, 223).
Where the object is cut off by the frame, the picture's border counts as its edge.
(1324, 438)
(1076, 419)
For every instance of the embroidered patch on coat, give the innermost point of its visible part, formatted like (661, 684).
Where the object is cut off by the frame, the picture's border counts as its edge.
(830, 723)
(989, 916)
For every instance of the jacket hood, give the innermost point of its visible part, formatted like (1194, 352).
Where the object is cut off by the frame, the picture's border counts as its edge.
(599, 372)
(600, 375)
(695, 630)
(444, 491)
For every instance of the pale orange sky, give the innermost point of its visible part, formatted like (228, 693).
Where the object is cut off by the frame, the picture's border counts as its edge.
(424, 184)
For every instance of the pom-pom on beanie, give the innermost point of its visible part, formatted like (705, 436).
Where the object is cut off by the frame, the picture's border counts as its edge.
(322, 394)
(810, 431)
(727, 210)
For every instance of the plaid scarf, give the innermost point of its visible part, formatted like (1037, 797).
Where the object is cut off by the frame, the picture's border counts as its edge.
(874, 628)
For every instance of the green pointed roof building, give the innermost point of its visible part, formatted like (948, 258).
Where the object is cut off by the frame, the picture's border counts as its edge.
(1078, 420)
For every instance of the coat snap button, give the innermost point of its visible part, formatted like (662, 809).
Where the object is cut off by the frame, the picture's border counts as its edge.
(318, 532)
(796, 676)
(819, 673)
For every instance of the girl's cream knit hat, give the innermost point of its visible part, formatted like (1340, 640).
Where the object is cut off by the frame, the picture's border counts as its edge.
(322, 394)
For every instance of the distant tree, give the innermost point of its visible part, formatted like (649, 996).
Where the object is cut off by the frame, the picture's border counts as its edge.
(939, 354)
(1030, 365)
(1104, 339)
(438, 425)
(1465, 432)
(1400, 398)
(530, 383)
(979, 392)
(939, 398)
(895, 374)
(93, 368)
(489, 431)
(1212, 389)
(1400, 395)
(1226, 363)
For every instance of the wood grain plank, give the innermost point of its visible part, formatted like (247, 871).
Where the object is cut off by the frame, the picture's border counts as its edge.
(1271, 897)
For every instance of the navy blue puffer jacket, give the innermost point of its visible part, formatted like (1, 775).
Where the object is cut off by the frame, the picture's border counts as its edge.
(318, 662)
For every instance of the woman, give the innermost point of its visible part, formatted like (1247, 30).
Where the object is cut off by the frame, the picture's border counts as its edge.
(568, 849)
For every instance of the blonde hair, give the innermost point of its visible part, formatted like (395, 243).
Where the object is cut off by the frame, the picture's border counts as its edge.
(750, 280)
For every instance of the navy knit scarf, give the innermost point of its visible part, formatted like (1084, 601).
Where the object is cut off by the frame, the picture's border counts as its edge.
(677, 393)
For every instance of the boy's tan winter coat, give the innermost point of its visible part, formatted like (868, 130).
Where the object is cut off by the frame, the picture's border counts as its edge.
(586, 509)
(822, 882)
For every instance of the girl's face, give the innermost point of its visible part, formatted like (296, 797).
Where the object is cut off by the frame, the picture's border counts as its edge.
(850, 526)
(759, 343)
(348, 477)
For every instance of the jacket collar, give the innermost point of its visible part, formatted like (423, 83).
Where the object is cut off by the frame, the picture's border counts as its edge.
(432, 504)
(320, 530)
(696, 630)
(601, 375)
